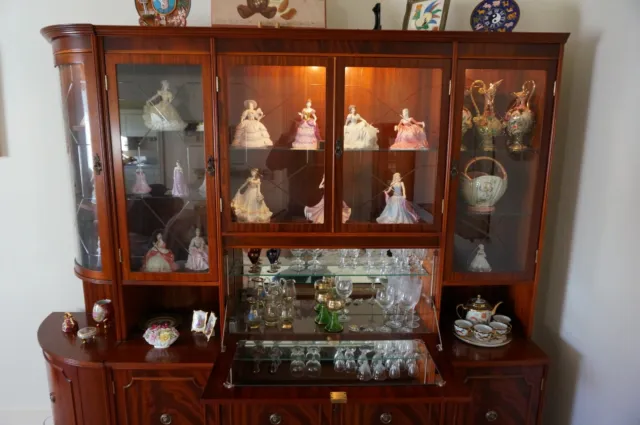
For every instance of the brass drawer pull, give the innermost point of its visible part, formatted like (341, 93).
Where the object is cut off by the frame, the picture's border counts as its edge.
(386, 418)
(275, 419)
(491, 416)
(166, 419)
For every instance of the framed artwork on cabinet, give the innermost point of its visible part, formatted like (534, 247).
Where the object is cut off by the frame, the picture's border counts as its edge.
(426, 15)
(275, 13)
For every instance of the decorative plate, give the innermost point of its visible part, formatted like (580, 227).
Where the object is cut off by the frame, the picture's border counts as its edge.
(163, 13)
(495, 16)
(497, 342)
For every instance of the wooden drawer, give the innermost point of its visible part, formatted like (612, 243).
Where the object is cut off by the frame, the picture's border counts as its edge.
(272, 414)
(392, 414)
(505, 396)
(148, 397)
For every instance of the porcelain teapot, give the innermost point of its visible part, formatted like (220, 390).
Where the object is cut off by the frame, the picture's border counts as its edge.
(478, 310)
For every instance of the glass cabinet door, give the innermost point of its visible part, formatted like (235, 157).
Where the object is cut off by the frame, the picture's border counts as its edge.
(501, 146)
(82, 126)
(275, 135)
(391, 128)
(161, 134)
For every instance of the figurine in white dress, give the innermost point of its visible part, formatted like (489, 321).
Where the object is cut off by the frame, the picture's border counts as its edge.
(159, 258)
(358, 133)
(198, 253)
(249, 207)
(315, 214)
(480, 264)
(398, 209)
(250, 132)
(140, 187)
(162, 116)
(180, 188)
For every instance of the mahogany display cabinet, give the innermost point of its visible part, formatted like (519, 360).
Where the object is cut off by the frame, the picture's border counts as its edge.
(240, 171)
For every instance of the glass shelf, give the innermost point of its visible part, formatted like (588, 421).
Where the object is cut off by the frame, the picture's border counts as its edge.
(260, 364)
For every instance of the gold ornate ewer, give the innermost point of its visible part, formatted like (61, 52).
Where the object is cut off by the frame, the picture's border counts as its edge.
(519, 119)
(487, 124)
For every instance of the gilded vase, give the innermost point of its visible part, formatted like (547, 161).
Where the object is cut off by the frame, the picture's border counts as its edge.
(487, 123)
(519, 119)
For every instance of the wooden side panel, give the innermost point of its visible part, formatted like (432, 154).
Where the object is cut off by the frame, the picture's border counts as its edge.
(144, 396)
(505, 396)
(61, 394)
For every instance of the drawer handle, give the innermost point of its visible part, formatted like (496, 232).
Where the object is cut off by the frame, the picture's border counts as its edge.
(166, 419)
(491, 416)
(52, 397)
(275, 419)
(386, 418)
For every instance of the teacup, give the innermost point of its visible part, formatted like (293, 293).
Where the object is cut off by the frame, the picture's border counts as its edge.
(482, 332)
(499, 328)
(463, 327)
(502, 319)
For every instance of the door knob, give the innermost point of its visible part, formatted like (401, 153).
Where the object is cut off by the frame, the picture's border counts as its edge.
(275, 419)
(166, 419)
(386, 418)
(491, 416)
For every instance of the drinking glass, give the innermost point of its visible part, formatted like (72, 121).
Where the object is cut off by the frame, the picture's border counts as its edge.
(315, 264)
(355, 253)
(351, 365)
(275, 354)
(313, 366)
(364, 370)
(385, 297)
(342, 253)
(272, 255)
(371, 261)
(339, 361)
(394, 369)
(298, 263)
(288, 290)
(344, 288)
(408, 299)
(254, 257)
(379, 371)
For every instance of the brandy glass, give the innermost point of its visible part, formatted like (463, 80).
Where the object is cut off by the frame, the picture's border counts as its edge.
(272, 255)
(254, 257)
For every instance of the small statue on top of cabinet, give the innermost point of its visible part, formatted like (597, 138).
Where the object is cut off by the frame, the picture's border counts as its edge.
(480, 264)
(198, 253)
(249, 207)
(180, 188)
(159, 258)
(410, 135)
(358, 133)
(69, 324)
(316, 213)
(140, 187)
(307, 133)
(398, 210)
(162, 116)
(250, 132)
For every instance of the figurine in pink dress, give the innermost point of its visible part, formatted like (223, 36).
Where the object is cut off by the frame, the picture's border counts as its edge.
(141, 187)
(315, 214)
(198, 253)
(180, 188)
(411, 134)
(307, 134)
(159, 258)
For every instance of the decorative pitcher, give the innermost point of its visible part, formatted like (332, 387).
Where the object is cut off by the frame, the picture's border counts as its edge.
(487, 124)
(519, 119)
(481, 190)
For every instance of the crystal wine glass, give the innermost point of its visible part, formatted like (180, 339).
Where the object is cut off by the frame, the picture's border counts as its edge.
(298, 263)
(351, 365)
(342, 253)
(315, 264)
(385, 297)
(364, 370)
(408, 299)
(355, 253)
(297, 367)
(344, 288)
(339, 361)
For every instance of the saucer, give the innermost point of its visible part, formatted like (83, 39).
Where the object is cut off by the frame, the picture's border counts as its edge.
(499, 341)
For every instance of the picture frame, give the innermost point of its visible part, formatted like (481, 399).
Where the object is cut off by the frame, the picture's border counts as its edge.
(426, 15)
(209, 329)
(273, 13)
(199, 322)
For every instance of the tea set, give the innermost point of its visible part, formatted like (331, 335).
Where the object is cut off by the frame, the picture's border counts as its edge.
(481, 326)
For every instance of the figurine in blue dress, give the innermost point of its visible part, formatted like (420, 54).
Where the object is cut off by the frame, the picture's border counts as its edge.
(398, 210)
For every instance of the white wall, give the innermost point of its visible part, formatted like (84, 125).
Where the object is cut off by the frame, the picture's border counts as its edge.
(588, 285)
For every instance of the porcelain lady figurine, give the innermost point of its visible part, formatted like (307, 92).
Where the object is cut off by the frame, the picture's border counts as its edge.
(198, 253)
(398, 210)
(487, 124)
(315, 214)
(358, 133)
(249, 207)
(480, 264)
(180, 188)
(250, 132)
(411, 134)
(307, 134)
(159, 258)
(162, 116)
(519, 119)
(140, 187)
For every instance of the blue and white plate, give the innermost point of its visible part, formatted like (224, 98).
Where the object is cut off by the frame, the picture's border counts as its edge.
(495, 16)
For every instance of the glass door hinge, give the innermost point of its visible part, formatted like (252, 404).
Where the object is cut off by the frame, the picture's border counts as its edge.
(106, 83)
(449, 87)
(217, 84)
(554, 88)
(442, 207)
(113, 387)
(120, 254)
(537, 251)
(542, 385)
(220, 204)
